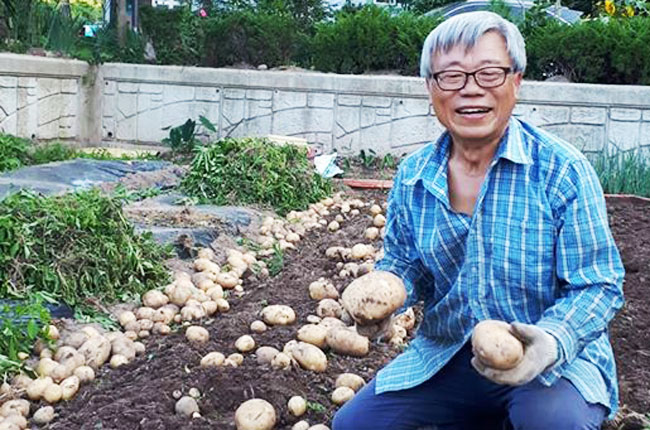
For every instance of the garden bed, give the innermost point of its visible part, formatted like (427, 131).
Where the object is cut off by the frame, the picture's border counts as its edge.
(139, 395)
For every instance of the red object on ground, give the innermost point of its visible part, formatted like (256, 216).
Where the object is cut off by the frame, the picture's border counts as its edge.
(368, 183)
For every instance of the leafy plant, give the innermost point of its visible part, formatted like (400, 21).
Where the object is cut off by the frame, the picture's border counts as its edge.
(276, 262)
(21, 324)
(74, 246)
(13, 152)
(316, 407)
(182, 139)
(255, 171)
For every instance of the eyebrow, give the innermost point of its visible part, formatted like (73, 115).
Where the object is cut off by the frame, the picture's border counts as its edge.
(482, 63)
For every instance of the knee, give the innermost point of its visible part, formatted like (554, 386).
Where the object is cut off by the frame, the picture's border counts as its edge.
(556, 416)
(348, 417)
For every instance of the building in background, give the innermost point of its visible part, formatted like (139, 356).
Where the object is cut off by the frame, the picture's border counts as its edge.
(168, 3)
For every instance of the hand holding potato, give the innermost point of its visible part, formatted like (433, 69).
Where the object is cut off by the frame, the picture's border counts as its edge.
(539, 352)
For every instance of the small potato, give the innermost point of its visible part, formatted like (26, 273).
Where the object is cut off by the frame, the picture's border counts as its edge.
(53, 393)
(53, 332)
(227, 280)
(266, 354)
(181, 294)
(215, 293)
(255, 414)
(118, 360)
(310, 357)
(96, 351)
(281, 361)
(258, 326)
(329, 322)
(319, 427)
(322, 289)
(197, 334)
(371, 233)
(342, 395)
(154, 299)
(8, 426)
(212, 359)
(297, 405)
(207, 254)
(43, 415)
(375, 210)
(19, 406)
(348, 342)
(18, 420)
(314, 334)
(210, 307)
(245, 343)
(350, 380)
(186, 406)
(145, 313)
(301, 425)
(123, 346)
(329, 308)
(38, 386)
(161, 329)
(139, 348)
(278, 315)
(379, 220)
(236, 358)
(495, 346)
(84, 373)
(126, 317)
(46, 366)
(361, 251)
(223, 305)
(69, 387)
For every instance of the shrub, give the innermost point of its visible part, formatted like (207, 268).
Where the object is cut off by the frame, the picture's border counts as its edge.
(371, 39)
(74, 246)
(255, 171)
(177, 34)
(251, 37)
(592, 51)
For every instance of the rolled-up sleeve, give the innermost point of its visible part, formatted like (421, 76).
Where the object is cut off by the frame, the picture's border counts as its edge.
(401, 256)
(588, 265)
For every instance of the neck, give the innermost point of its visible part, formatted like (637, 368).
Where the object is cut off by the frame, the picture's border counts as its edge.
(473, 158)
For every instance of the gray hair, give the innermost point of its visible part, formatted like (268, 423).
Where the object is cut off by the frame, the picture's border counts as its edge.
(465, 30)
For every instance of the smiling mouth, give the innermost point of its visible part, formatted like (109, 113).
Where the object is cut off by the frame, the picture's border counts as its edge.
(473, 111)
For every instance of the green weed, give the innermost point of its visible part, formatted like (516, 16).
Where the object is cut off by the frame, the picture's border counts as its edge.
(74, 246)
(255, 171)
(624, 174)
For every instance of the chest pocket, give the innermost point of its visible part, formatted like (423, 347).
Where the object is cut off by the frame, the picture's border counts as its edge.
(521, 258)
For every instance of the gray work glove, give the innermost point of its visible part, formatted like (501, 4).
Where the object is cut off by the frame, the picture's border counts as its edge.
(540, 352)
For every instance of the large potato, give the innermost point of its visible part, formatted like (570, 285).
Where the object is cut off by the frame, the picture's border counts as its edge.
(309, 357)
(255, 414)
(495, 346)
(266, 354)
(348, 342)
(278, 315)
(322, 289)
(19, 406)
(373, 297)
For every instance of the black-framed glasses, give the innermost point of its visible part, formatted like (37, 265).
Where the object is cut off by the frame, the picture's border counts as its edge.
(486, 77)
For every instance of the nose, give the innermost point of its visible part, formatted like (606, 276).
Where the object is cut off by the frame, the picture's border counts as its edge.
(471, 86)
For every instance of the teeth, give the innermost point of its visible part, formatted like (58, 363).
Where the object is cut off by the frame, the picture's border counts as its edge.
(473, 110)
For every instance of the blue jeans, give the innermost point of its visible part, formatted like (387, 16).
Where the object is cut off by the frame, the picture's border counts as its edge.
(458, 398)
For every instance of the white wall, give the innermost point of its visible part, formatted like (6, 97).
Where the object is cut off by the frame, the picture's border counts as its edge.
(51, 98)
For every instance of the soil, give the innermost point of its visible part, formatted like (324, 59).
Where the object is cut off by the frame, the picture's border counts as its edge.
(139, 395)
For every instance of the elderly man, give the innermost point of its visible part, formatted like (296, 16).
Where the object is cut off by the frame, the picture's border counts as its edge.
(495, 220)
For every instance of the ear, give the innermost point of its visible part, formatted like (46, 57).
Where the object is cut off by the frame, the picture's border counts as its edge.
(430, 83)
(517, 78)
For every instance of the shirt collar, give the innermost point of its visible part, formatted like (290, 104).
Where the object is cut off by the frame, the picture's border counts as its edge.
(433, 170)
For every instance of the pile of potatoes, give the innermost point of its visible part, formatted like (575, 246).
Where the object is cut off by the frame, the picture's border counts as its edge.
(258, 414)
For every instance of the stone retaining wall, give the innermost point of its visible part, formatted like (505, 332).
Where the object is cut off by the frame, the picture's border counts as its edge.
(117, 103)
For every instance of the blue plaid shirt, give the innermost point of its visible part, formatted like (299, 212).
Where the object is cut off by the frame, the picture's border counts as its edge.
(537, 249)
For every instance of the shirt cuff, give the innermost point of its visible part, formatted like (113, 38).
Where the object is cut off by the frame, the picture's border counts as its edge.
(566, 340)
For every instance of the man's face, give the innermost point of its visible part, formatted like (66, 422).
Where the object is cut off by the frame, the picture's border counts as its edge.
(475, 115)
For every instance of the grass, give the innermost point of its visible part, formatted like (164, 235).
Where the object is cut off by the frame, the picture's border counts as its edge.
(625, 174)
(255, 171)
